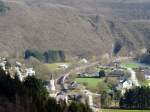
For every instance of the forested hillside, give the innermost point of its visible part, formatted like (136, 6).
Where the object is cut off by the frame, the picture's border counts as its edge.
(77, 27)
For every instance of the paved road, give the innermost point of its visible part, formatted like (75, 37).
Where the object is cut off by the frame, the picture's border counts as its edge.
(133, 77)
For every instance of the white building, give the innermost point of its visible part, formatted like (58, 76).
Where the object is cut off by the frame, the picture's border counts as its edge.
(62, 96)
(30, 72)
(147, 74)
(126, 85)
(18, 64)
(2, 65)
(147, 77)
(19, 73)
(85, 61)
(64, 66)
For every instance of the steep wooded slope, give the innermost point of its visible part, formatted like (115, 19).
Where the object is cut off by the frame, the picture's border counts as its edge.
(51, 24)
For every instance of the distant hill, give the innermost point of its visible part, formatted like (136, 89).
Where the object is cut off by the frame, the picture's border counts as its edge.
(79, 27)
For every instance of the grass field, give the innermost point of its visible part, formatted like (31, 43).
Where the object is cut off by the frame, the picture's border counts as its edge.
(55, 66)
(130, 65)
(92, 82)
(133, 65)
(115, 110)
(146, 83)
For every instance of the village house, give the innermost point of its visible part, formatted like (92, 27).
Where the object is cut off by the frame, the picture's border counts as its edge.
(62, 97)
(96, 74)
(74, 85)
(63, 66)
(126, 85)
(147, 74)
(18, 64)
(29, 72)
(17, 69)
(116, 73)
(2, 65)
(85, 61)
(23, 74)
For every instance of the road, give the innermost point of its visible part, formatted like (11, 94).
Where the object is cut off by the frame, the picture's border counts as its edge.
(62, 78)
(133, 77)
(133, 73)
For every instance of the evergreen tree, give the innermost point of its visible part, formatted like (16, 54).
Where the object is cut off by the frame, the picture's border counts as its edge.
(101, 73)
(79, 107)
(138, 97)
(32, 96)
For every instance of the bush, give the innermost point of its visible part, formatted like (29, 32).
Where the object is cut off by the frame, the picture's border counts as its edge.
(102, 87)
(101, 73)
(79, 107)
(49, 56)
(54, 56)
(35, 54)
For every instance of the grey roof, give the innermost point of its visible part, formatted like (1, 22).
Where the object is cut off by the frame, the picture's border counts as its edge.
(147, 72)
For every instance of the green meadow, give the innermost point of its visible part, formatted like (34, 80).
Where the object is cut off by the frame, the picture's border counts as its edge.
(92, 82)
(130, 65)
(133, 65)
